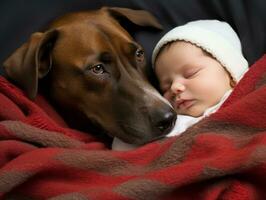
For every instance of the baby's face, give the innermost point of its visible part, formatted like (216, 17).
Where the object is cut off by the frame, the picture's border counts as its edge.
(190, 79)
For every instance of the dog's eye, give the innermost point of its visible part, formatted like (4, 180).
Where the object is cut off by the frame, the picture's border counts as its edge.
(97, 69)
(139, 55)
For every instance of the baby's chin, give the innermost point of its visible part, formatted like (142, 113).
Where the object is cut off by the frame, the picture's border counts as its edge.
(193, 112)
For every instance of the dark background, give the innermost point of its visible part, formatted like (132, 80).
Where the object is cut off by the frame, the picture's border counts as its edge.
(20, 18)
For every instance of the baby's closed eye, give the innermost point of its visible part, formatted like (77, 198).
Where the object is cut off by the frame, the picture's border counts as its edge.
(191, 73)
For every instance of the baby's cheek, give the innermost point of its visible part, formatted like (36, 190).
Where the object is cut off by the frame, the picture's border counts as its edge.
(168, 98)
(167, 95)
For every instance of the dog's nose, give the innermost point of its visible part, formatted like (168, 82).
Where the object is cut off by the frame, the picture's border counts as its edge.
(165, 121)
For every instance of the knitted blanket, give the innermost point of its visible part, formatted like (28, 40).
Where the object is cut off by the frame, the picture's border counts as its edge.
(221, 157)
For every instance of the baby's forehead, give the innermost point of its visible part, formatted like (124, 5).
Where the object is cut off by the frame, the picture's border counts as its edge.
(181, 51)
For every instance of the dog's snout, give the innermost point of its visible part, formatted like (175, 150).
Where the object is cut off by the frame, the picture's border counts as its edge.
(165, 121)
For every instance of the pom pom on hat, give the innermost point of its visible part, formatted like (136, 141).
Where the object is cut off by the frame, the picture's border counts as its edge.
(215, 37)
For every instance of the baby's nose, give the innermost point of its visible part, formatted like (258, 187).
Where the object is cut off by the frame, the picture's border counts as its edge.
(177, 87)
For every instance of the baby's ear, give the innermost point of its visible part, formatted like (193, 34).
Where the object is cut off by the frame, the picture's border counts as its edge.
(232, 82)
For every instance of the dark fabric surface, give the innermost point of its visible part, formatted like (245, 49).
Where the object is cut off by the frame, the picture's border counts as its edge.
(20, 18)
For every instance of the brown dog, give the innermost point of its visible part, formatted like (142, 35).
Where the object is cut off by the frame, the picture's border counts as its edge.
(94, 71)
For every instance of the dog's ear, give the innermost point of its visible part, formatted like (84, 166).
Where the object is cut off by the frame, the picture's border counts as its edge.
(31, 61)
(138, 17)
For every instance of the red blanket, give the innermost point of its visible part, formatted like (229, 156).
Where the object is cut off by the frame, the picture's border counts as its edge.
(222, 157)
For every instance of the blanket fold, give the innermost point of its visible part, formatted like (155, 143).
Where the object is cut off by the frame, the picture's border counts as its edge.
(221, 157)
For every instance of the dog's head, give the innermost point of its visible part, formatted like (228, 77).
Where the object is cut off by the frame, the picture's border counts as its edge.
(97, 69)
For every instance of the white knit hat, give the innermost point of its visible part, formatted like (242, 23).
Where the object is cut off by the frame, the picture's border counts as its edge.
(215, 37)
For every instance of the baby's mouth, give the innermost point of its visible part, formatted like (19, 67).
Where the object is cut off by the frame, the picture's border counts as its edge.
(184, 103)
